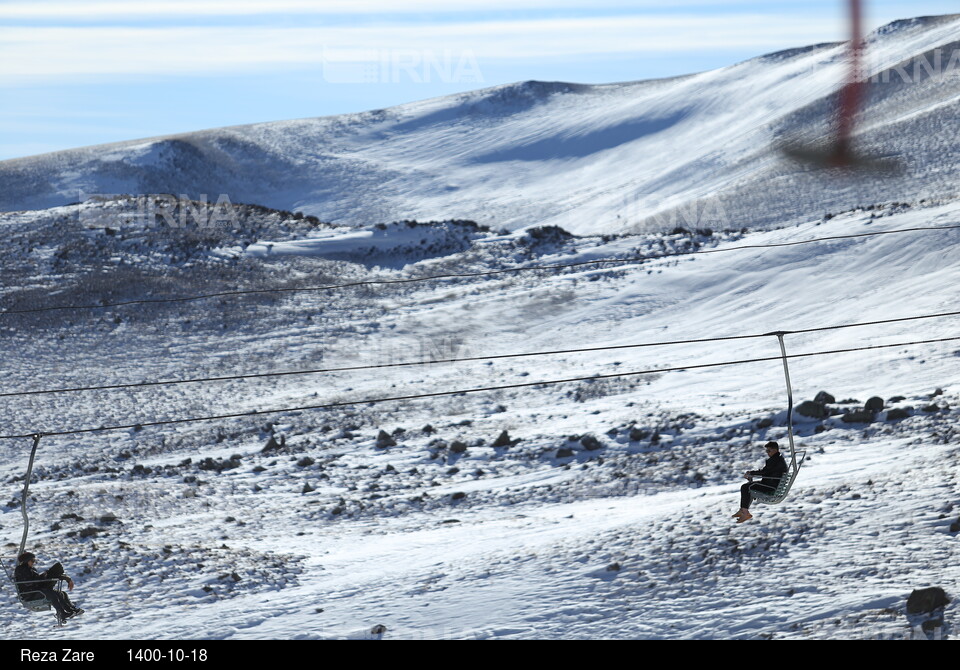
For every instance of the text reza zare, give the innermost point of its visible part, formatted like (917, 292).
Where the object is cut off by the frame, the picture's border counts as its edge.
(63, 656)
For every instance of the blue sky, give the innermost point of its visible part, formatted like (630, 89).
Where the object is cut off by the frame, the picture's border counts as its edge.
(81, 72)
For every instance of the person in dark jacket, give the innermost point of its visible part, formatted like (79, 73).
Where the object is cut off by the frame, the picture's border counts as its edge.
(773, 471)
(33, 585)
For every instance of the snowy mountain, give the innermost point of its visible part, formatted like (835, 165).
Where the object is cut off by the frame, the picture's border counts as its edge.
(598, 507)
(605, 158)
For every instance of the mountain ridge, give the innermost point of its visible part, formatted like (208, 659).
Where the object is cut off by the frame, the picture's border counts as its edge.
(591, 158)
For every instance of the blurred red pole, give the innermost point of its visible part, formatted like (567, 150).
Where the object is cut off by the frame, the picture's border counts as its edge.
(851, 93)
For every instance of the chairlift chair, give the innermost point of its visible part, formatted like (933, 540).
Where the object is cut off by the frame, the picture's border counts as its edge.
(32, 600)
(779, 494)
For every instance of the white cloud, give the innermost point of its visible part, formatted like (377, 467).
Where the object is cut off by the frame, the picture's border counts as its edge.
(81, 9)
(49, 52)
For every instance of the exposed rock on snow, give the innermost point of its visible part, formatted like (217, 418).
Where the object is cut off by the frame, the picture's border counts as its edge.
(812, 409)
(591, 443)
(824, 398)
(927, 600)
(857, 416)
(503, 440)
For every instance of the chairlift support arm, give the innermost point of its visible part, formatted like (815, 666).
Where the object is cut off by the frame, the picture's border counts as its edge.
(26, 490)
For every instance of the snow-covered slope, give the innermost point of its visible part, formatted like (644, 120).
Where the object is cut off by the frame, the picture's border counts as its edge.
(605, 158)
(300, 524)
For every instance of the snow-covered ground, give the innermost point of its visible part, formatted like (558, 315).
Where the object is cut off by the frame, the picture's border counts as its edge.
(330, 535)
(593, 508)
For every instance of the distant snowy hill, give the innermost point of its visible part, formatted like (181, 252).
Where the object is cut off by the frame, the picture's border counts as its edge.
(591, 158)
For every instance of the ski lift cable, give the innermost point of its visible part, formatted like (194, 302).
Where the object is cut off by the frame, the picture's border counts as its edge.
(354, 368)
(470, 275)
(436, 394)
